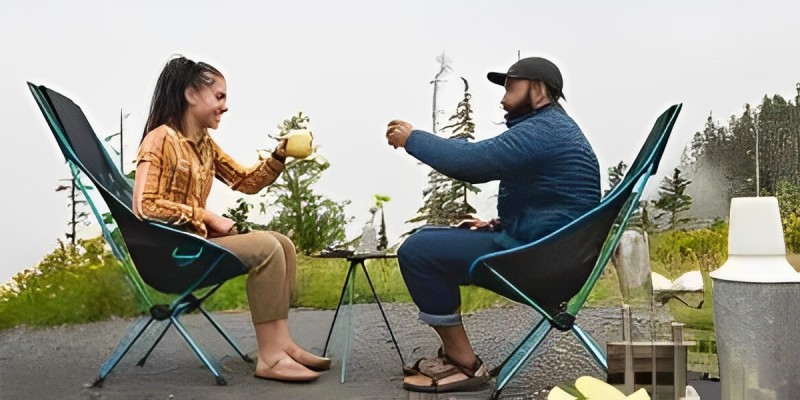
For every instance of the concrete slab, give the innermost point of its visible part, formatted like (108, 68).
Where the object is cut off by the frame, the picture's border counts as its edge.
(62, 362)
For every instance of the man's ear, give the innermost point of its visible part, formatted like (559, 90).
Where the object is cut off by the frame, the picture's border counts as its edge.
(538, 92)
(191, 95)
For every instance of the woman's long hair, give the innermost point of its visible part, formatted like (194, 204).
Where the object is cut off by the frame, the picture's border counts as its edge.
(169, 102)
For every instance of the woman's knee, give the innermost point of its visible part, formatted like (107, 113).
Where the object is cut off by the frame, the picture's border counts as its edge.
(267, 245)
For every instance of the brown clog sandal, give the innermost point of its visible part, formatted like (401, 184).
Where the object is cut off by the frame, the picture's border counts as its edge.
(477, 377)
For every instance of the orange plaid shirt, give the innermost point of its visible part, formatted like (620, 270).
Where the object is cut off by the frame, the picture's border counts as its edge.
(180, 174)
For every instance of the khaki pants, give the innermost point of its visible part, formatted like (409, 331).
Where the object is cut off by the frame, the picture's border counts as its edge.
(272, 261)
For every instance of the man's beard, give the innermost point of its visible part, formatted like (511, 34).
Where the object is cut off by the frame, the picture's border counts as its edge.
(522, 109)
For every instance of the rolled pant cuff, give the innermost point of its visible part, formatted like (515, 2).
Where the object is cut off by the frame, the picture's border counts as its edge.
(440, 320)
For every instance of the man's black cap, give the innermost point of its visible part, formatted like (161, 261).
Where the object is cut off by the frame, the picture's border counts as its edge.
(535, 69)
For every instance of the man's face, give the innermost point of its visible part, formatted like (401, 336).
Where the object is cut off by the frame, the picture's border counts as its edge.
(517, 100)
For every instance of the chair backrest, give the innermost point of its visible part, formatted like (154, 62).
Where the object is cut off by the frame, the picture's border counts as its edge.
(167, 259)
(556, 273)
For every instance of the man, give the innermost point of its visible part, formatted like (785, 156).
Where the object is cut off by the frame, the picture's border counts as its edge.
(548, 176)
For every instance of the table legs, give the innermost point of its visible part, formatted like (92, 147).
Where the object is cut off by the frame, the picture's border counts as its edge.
(347, 295)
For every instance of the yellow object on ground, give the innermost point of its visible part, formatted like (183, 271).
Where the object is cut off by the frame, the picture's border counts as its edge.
(558, 394)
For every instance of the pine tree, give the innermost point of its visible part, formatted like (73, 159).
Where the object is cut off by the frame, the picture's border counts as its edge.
(78, 215)
(311, 220)
(673, 200)
(615, 176)
(446, 199)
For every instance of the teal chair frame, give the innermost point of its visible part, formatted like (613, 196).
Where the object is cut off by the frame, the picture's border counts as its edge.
(555, 274)
(153, 255)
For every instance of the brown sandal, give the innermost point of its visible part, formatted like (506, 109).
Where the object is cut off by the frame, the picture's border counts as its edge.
(442, 367)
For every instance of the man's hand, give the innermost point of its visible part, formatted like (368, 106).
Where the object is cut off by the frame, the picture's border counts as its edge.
(397, 133)
(218, 226)
(478, 225)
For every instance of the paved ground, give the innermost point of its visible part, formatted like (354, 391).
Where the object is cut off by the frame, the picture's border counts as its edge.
(62, 362)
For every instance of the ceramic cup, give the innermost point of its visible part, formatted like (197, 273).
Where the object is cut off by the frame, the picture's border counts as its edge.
(299, 143)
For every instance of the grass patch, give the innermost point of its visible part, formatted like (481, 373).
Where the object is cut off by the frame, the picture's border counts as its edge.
(71, 296)
(85, 283)
(90, 289)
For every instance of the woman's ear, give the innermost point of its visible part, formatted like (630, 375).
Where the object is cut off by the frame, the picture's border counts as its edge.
(190, 94)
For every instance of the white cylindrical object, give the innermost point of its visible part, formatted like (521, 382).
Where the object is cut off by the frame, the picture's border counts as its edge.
(756, 249)
(756, 318)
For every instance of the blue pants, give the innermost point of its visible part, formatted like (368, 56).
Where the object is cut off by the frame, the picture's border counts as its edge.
(435, 262)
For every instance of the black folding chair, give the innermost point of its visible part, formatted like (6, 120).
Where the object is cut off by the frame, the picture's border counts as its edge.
(155, 255)
(555, 274)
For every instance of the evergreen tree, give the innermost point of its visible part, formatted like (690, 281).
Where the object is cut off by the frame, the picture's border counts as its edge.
(311, 220)
(446, 199)
(756, 151)
(673, 200)
(383, 241)
(78, 216)
(615, 176)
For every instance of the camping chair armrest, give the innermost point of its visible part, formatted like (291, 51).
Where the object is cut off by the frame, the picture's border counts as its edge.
(183, 260)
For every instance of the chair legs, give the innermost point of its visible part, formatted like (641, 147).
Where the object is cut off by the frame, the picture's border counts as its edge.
(520, 355)
(134, 333)
(153, 346)
(141, 325)
(199, 353)
(591, 346)
(517, 358)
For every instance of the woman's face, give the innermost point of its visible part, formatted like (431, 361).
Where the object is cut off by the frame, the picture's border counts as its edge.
(207, 104)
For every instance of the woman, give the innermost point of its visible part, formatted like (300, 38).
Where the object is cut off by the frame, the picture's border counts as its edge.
(176, 163)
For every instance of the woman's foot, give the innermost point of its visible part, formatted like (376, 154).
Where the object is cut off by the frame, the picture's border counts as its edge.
(309, 360)
(286, 370)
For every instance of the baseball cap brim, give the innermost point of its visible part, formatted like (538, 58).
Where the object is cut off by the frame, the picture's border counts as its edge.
(498, 78)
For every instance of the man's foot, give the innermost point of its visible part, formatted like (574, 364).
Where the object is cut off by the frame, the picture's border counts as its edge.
(309, 360)
(442, 374)
(285, 370)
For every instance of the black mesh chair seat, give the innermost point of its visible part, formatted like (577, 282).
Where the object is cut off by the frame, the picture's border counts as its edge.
(154, 255)
(555, 274)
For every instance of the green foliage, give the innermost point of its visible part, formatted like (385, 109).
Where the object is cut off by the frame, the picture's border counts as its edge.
(446, 199)
(73, 284)
(84, 284)
(240, 214)
(723, 158)
(674, 253)
(682, 251)
(788, 195)
(673, 200)
(615, 176)
(311, 220)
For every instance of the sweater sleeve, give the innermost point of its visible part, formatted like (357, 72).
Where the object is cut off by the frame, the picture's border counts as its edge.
(246, 180)
(477, 162)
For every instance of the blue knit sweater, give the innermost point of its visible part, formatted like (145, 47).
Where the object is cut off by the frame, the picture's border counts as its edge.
(547, 170)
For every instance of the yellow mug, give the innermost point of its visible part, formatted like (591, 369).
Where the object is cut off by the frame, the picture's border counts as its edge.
(298, 143)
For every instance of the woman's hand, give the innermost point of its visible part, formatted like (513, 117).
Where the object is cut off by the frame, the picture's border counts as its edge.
(217, 225)
(398, 132)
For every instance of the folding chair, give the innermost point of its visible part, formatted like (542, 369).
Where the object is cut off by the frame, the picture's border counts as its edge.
(156, 255)
(555, 274)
